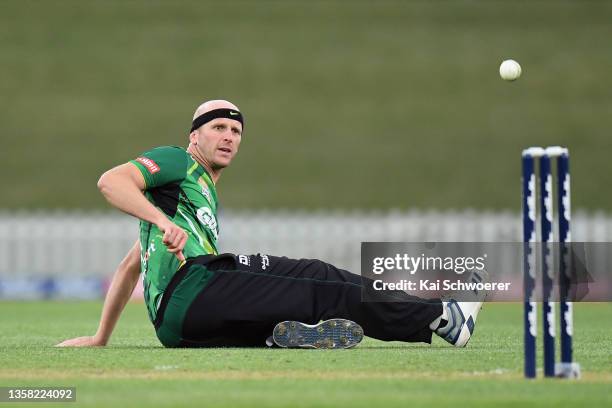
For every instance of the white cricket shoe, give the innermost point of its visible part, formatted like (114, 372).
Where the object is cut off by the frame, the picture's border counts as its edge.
(461, 316)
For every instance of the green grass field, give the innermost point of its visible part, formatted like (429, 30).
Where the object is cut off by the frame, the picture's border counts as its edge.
(338, 96)
(137, 369)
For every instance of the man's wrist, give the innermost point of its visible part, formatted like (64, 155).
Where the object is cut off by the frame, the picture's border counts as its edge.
(160, 221)
(100, 339)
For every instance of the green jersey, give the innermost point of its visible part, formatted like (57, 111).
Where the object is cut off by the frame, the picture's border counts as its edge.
(182, 189)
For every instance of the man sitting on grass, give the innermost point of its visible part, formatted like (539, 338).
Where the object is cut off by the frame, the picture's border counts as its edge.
(197, 297)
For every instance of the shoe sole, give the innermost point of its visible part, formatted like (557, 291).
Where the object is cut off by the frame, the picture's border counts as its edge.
(329, 334)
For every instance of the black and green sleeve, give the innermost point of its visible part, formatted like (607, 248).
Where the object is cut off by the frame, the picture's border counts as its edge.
(162, 165)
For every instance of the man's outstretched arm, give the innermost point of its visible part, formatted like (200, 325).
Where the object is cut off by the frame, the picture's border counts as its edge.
(123, 187)
(121, 288)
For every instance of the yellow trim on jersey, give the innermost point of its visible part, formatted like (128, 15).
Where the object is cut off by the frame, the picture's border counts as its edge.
(192, 168)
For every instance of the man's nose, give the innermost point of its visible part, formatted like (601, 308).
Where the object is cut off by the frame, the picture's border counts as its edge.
(229, 136)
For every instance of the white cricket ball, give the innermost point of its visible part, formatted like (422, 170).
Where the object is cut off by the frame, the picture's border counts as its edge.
(509, 70)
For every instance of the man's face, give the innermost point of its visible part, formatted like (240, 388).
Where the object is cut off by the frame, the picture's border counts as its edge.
(218, 141)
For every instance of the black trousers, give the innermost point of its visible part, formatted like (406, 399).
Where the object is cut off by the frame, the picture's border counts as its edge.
(249, 294)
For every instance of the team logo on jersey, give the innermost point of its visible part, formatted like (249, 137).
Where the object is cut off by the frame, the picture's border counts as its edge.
(207, 218)
(149, 164)
(206, 193)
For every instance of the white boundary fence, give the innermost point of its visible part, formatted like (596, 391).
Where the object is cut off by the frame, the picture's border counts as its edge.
(81, 245)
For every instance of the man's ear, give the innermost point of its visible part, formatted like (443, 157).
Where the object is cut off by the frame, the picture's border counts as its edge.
(193, 137)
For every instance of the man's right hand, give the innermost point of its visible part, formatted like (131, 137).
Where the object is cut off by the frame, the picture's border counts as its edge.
(174, 238)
